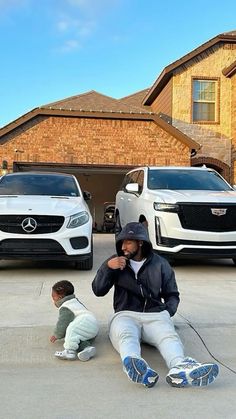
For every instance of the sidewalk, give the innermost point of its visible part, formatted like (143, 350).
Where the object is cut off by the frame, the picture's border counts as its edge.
(35, 385)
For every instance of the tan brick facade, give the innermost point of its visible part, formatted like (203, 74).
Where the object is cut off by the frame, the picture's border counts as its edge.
(93, 141)
(209, 67)
(218, 139)
(233, 126)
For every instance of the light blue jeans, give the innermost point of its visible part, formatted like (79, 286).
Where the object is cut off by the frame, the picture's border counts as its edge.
(129, 328)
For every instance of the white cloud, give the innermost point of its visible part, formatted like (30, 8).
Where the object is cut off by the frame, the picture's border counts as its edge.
(79, 27)
(70, 45)
(63, 25)
(79, 19)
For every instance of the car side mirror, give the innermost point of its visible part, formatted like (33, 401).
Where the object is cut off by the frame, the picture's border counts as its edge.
(132, 187)
(87, 195)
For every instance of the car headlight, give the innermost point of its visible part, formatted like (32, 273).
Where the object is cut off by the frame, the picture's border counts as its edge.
(160, 206)
(78, 219)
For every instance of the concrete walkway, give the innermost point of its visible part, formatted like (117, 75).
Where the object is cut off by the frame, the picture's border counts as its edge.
(35, 385)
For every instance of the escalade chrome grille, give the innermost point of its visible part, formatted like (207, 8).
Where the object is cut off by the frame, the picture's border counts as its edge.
(200, 217)
(45, 223)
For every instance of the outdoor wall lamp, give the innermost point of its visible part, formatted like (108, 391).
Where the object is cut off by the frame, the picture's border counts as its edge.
(4, 167)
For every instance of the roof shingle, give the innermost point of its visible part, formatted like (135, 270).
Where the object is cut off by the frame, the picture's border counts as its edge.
(97, 102)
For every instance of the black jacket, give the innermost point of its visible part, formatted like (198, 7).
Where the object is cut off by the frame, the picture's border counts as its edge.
(153, 290)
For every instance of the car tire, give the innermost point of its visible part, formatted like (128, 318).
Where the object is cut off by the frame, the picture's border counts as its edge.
(86, 264)
(234, 260)
(118, 227)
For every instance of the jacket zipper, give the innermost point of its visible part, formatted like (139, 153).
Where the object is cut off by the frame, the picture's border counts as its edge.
(141, 289)
(145, 300)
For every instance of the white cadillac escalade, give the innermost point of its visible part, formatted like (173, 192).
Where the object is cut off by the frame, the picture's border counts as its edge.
(190, 212)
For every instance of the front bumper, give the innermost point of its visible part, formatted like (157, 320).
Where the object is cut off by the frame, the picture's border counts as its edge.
(199, 253)
(171, 239)
(66, 244)
(43, 249)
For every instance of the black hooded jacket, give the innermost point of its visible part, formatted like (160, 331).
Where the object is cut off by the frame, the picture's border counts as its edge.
(155, 287)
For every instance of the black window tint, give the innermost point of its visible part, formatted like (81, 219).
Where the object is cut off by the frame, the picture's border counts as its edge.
(126, 180)
(51, 185)
(186, 180)
(140, 180)
(129, 178)
(134, 177)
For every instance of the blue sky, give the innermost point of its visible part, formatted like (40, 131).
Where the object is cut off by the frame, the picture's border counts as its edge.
(53, 49)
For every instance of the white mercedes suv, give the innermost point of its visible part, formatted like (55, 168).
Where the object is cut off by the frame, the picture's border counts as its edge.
(44, 216)
(190, 212)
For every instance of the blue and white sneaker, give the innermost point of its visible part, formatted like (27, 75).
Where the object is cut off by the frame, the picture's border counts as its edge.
(139, 371)
(192, 373)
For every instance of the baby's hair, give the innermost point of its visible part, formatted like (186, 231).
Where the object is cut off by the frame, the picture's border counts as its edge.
(63, 288)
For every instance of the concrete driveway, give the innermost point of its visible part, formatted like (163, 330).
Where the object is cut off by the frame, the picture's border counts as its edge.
(35, 385)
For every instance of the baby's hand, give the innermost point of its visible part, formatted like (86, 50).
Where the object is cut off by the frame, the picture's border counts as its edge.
(53, 339)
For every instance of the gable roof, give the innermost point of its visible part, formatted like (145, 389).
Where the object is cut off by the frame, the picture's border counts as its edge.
(94, 101)
(167, 73)
(230, 70)
(95, 105)
(136, 99)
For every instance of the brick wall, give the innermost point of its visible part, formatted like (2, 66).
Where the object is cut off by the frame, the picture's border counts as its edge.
(209, 66)
(233, 129)
(218, 140)
(93, 141)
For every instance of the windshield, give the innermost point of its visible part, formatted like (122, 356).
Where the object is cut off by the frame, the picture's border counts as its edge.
(186, 180)
(38, 184)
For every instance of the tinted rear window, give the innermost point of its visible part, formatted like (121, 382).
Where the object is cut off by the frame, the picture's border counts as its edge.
(186, 179)
(38, 185)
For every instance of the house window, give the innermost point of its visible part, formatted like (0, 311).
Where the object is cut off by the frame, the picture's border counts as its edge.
(204, 100)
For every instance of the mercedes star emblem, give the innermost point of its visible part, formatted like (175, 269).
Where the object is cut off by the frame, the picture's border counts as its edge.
(29, 225)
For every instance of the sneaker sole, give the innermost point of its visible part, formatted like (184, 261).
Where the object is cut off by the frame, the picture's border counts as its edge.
(59, 355)
(204, 375)
(150, 378)
(85, 355)
(201, 376)
(63, 358)
(177, 380)
(138, 371)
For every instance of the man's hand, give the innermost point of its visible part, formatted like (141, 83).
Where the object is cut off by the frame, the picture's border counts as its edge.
(53, 339)
(118, 262)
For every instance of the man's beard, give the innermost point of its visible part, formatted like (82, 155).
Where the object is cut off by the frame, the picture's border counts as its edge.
(132, 255)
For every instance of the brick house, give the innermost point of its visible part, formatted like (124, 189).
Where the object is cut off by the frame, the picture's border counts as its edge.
(98, 138)
(197, 95)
